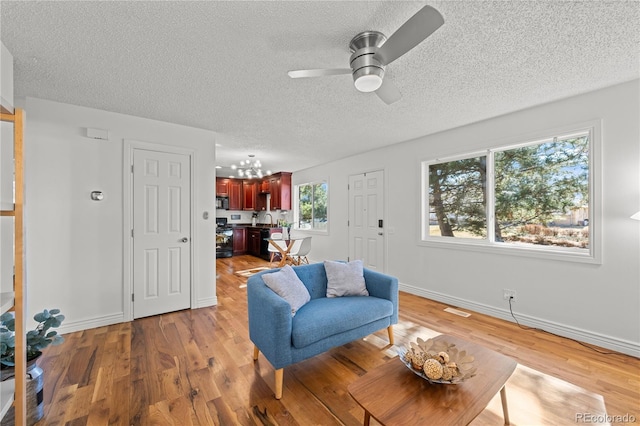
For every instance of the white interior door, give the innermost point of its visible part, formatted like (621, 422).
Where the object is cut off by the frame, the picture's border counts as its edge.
(366, 219)
(161, 232)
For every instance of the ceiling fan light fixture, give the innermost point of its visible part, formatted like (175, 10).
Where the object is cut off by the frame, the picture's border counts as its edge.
(371, 51)
(368, 79)
(368, 83)
(367, 70)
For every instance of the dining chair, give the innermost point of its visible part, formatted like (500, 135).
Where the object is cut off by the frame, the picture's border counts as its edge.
(301, 247)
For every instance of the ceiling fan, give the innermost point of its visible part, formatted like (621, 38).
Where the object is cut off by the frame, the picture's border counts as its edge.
(372, 51)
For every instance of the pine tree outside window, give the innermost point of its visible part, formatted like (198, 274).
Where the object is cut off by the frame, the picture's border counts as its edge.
(535, 196)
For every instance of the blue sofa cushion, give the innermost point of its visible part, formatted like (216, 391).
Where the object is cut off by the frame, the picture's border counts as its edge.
(325, 317)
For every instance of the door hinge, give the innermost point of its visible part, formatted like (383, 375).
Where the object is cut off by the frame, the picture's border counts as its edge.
(132, 233)
(132, 168)
(132, 297)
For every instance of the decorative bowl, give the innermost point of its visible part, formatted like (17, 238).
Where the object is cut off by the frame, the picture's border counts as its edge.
(438, 361)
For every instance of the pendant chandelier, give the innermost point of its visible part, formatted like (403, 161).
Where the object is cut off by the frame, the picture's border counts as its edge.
(251, 168)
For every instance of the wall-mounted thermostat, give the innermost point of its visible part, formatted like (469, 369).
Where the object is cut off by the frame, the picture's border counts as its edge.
(97, 195)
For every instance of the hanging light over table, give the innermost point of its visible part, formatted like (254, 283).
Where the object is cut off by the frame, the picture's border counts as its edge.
(251, 168)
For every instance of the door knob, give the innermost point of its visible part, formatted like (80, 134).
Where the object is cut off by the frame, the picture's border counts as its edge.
(184, 240)
(379, 233)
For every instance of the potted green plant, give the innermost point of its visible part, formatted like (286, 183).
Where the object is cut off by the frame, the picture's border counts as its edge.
(285, 225)
(36, 339)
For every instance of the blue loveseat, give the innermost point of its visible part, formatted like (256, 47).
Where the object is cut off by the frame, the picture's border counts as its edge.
(322, 323)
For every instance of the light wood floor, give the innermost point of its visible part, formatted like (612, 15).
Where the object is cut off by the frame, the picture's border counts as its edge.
(195, 367)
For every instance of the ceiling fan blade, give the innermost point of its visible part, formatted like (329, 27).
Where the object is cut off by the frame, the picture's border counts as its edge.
(319, 72)
(410, 34)
(388, 92)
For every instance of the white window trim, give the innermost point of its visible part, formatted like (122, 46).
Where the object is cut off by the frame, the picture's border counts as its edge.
(296, 207)
(594, 254)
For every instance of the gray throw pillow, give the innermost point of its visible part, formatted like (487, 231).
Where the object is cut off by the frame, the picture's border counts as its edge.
(286, 284)
(345, 279)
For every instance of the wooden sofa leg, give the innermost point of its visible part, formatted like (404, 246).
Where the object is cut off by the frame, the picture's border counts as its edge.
(279, 380)
(279, 376)
(390, 332)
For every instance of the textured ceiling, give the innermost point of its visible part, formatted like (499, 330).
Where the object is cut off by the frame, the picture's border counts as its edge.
(223, 66)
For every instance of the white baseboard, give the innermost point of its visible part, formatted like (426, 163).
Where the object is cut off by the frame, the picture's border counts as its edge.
(207, 301)
(117, 318)
(612, 343)
(85, 324)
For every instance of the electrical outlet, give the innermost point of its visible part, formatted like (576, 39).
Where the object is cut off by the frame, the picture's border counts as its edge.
(509, 294)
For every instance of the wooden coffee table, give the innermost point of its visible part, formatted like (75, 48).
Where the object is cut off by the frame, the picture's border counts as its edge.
(393, 395)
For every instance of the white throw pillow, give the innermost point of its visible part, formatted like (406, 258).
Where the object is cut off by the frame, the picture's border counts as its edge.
(345, 279)
(286, 284)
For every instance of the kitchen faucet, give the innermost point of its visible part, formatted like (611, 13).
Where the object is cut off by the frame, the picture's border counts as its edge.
(270, 217)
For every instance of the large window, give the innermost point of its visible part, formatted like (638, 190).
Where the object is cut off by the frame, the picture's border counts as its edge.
(311, 206)
(535, 195)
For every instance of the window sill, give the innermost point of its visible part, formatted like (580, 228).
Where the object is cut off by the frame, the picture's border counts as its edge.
(311, 231)
(557, 254)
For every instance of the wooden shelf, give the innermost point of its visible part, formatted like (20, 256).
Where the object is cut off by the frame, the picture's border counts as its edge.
(7, 116)
(7, 391)
(6, 301)
(13, 392)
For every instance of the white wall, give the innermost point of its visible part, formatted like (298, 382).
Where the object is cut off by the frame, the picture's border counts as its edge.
(6, 172)
(594, 303)
(6, 203)
(74, 246)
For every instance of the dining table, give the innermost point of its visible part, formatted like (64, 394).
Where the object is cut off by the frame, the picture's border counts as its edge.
(285, 252)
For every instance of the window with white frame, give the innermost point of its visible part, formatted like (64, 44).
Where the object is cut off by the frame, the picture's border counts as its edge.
(536, 195)
(311, 207)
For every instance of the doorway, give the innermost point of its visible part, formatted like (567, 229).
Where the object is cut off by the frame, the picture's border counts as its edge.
(366, 219)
